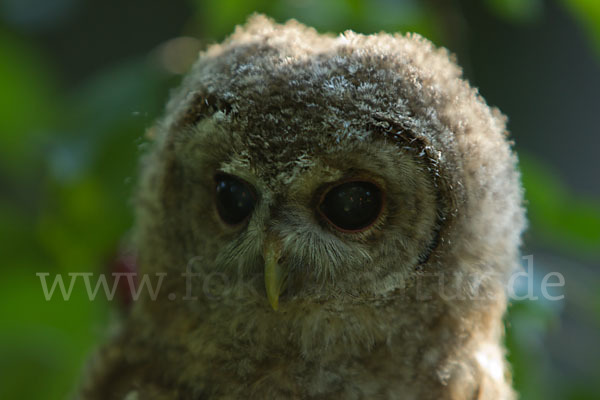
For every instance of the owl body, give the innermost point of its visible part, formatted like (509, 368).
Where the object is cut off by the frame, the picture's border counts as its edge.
(291, 295)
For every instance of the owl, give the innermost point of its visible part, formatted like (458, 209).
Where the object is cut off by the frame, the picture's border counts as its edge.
(328, 217)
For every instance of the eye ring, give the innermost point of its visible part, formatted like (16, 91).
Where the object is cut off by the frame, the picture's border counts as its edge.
(234, 199)
(352, 206)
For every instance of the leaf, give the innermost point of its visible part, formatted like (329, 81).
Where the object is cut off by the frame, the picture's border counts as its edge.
(29, 99)
(520, 11)
(556, 214)
(588, 13)
(44, 344)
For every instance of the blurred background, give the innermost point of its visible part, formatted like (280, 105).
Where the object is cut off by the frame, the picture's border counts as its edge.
(81, 81)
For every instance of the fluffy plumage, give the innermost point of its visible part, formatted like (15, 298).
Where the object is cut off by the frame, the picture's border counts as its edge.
(408, 309)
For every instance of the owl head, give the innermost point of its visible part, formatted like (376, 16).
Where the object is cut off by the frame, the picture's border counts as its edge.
(310, 179)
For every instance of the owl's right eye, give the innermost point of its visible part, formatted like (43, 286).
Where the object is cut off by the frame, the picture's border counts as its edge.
(234, 198)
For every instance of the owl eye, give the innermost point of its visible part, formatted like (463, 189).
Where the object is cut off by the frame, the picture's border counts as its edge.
(234, 198)
(352, 206)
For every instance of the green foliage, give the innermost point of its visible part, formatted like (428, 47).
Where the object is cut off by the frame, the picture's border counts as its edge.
(555, 214)
(28, 95)
(366, 16)
(69, 161)
(528, 323)
(517, 10)
(43, 345)
(588, 12)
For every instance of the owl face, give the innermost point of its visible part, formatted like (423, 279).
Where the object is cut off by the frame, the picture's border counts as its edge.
(323, 218)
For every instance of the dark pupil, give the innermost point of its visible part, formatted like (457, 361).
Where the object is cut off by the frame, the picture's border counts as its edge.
(353, 205)
(235, 199)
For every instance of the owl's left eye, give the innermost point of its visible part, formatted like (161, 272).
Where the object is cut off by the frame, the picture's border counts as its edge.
(234, 198)
(352, 206)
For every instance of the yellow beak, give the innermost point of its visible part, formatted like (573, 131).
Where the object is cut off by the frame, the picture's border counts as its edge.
(275, 273)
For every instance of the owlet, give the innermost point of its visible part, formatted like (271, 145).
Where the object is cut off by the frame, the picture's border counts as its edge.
(330, 217)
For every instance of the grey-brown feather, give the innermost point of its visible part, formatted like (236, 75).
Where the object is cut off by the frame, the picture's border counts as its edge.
(364, 315)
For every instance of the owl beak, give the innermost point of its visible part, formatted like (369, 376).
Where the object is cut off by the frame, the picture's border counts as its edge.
(275, 273)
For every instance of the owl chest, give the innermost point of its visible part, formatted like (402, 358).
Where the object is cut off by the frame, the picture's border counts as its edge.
(277, 370)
